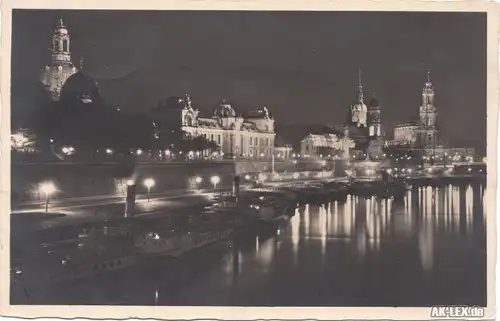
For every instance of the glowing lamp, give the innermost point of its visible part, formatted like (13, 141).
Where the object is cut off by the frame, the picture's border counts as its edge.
(215, 180)
(149, 182)
(47, 188)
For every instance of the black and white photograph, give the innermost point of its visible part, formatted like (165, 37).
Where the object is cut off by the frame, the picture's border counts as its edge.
(249, 158)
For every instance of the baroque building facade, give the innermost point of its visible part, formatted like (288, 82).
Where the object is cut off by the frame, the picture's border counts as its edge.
(422, 132)
(54, 75)
(248, 136)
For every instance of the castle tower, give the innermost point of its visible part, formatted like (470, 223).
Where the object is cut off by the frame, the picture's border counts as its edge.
(358, 110)
(427, 131)
(54, 75)
(374, 117)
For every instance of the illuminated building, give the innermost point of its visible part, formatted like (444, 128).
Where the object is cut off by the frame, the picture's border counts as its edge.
(248, 136)
(54, 75)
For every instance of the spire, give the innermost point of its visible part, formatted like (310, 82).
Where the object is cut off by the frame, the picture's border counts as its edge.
(81, 63)
(428, 75)
(359, 93)
(187, 98)
(60, 23)
(359, 78)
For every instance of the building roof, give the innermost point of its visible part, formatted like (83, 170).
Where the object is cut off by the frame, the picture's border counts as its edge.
(224, 110)
(251, 127)
(323, 140)
(407, 124)
(80, 87)
(211, 123)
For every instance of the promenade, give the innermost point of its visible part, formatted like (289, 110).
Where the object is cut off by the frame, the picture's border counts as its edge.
(79, 210)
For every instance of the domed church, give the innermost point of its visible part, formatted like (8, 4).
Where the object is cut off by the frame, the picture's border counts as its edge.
(80, 88)
(54, 75)
(360, 135)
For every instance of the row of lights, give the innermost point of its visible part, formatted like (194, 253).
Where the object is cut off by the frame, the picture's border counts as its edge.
(215, 180)
(170, 153)
(48, 188)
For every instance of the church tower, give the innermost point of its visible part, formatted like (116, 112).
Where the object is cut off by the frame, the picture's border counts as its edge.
(357, 112)
(427, 131)
(54, 75)
(374, 117)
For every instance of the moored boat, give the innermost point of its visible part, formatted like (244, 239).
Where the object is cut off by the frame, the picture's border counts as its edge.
(107, 249)
(268, 207)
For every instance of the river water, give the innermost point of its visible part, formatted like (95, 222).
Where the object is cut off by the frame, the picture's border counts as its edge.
(427, 250)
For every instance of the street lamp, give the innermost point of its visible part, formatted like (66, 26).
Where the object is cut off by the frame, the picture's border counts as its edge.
(197, 182)
(215, 180)
(47, 188)
(149, 182)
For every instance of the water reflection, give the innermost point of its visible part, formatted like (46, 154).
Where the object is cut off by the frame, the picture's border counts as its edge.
(353, 253)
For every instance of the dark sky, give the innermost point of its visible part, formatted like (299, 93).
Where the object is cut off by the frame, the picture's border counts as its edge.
(302, 65)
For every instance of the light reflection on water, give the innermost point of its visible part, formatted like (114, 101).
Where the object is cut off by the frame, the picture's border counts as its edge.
(436, 222)
(361, 252)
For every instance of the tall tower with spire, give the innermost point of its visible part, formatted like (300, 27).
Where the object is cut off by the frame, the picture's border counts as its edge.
(358, 110)
(374, 117)
(359, 91)
(55, 74)
(427, 130)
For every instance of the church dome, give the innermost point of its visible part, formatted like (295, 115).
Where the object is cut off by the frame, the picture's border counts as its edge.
(224, 110)
(358, 107)
(80, 87)
(54, 76)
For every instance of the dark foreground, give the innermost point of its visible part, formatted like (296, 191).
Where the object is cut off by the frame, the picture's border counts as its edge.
(428, 250)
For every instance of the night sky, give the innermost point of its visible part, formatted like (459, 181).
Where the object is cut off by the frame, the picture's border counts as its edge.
(302, 65)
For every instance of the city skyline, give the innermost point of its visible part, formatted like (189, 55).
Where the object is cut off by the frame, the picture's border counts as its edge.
(307, 83)
(249, 159)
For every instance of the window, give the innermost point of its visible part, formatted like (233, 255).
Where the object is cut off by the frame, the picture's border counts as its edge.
(57, 45)
(65, 45)
(218, 139)
(189, 120)
(251, 140)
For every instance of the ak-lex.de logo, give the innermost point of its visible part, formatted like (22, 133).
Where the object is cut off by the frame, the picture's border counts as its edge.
(457, 312)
